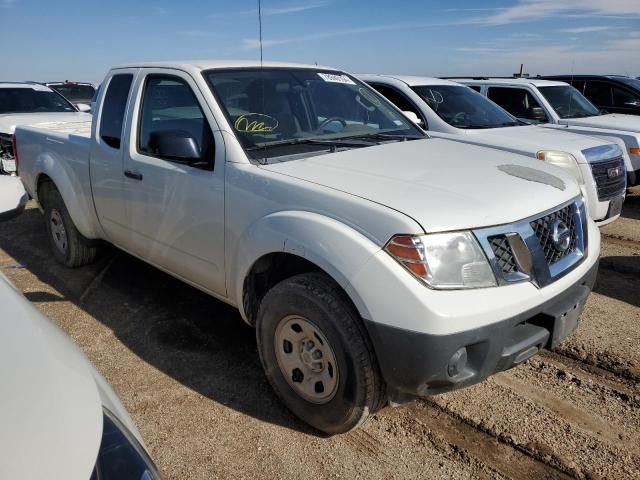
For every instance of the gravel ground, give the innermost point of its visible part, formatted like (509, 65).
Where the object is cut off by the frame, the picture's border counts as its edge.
(187, 369)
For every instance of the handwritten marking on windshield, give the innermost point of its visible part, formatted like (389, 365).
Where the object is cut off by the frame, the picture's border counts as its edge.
(255, 123)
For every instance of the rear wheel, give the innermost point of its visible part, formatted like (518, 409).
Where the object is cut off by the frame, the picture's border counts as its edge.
(316, 353)
(69, 246)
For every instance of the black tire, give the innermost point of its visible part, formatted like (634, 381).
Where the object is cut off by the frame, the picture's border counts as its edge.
(359, 389)
(77, 249)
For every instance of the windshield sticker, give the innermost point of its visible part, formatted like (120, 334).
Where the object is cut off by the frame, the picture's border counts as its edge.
(255, 123)
(335, 78)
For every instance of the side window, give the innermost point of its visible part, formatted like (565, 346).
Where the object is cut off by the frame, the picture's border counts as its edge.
(621, 98)
(114, 105)
(477, 88)
(598, 92)
(172, 125)
(517, 101)
(397, 98)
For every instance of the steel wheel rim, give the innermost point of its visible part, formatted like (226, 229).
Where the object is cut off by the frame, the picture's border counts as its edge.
(58, 231)
(306, 359)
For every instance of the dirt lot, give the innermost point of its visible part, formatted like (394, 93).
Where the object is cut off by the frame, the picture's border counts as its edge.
(187, 369)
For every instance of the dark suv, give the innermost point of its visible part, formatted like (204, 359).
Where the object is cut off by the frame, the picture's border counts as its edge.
(613, 93)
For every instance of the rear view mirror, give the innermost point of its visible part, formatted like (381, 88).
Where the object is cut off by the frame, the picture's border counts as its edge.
(176, 145)
(83, 107)
(537, 113)
(413, 117)
(13, 197)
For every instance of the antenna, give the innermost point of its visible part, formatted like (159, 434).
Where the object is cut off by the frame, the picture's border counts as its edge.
(264, 160)
(260, 28)
(570, 92)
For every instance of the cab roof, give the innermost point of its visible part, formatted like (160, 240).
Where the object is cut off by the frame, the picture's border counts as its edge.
(411, 80)
(200, 65)
(512, 81)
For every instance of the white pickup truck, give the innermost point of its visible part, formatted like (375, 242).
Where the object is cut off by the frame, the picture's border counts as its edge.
(558, 105)
(371, 268)
(454, 111)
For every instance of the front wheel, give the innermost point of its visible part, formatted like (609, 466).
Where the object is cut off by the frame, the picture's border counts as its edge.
(316, 353)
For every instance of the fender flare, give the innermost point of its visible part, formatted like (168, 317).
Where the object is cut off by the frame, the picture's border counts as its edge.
(78, 203)
(312, 236)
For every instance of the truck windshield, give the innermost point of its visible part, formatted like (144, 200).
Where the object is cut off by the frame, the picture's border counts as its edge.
(284, 111)
(462, 107)
(75, 92)
(36, 99)
(568, 102)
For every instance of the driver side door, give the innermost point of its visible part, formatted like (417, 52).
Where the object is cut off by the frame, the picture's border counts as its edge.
(174, 204)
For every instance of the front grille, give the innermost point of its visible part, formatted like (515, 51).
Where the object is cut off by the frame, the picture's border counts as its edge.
(504, 254)
(609, 186)
(543, 229)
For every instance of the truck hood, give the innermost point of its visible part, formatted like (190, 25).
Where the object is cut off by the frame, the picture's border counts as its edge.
(534, 139)
(530, 139)
(8, 122)
(441, 184)
(50, 407)
(613, 121)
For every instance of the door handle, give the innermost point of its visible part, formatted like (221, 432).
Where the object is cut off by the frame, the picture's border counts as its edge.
(132, 174)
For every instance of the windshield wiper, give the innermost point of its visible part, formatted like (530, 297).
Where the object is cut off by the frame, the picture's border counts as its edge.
(338, 142)
(386, 136)
(513, 124)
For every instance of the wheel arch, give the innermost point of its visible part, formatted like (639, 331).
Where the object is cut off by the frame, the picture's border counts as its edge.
(288, 243)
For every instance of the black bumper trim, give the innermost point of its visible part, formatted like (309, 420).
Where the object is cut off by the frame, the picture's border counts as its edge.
(418, 364)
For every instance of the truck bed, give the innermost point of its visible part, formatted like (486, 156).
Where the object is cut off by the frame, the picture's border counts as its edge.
(64, 148)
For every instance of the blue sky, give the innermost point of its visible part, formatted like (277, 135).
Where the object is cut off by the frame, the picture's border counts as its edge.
(80, 40)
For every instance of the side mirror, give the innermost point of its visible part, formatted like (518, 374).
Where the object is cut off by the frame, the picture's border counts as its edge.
(537, 113)
(83, 107)
(413, 117)
(13, 197)
(174, 145)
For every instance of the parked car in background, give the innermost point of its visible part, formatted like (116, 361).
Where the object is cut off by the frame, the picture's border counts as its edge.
(613, 93)
(451, 110)
(555, 104)
(27, 103)
(376, 263)
(60, 417)
(80, 94)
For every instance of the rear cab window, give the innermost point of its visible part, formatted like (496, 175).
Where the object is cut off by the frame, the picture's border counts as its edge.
(113, 109)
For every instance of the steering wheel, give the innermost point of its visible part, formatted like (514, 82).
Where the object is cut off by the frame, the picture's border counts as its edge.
(329, 120)
(460, 117)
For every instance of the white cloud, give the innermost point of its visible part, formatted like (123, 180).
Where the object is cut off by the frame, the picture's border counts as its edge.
(249, 43)
(610, 57)
(283, 10)
(585, 29)
(528, 10)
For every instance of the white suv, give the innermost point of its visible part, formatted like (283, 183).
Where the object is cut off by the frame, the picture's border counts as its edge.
(451, 110)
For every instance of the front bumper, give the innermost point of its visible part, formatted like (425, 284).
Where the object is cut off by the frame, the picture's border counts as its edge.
(420, 364)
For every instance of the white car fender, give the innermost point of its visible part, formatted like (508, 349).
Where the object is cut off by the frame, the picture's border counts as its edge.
(311, 236)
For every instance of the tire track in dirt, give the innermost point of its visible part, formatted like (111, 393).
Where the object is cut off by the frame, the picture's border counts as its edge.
(456, 438)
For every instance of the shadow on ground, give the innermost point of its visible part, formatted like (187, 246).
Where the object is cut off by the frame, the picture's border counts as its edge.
(199, 341)
(618, 279)
(631, 206)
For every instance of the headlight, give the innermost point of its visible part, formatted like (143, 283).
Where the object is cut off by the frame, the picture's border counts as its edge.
(563, 160)
(121, 457)
(443, 260)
